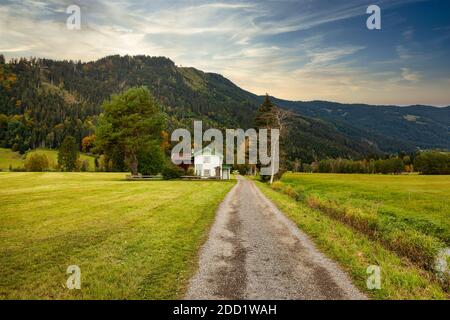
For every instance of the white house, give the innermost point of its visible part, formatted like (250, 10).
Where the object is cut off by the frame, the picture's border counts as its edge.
(208, 163)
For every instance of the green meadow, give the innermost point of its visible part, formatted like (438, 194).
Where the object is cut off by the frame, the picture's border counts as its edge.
(131, 240)
(397, 222)
(418, 201)
(9, 158)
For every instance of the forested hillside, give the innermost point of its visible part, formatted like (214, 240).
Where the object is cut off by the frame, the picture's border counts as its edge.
(42, 101)
(389, 127)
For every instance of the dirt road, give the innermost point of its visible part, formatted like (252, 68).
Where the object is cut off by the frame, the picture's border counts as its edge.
(255, 252)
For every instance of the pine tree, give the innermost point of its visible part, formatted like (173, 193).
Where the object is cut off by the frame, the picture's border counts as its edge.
(131, 122)
(68, 154)
(265, 116)
(270, 117)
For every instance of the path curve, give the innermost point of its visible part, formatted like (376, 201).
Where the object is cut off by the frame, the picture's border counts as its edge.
(255, 252)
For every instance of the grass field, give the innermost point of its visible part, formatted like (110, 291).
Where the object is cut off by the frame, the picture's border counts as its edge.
(421, 202)
(132, 240)
(16, 160)
(8, 157)
(395, 222)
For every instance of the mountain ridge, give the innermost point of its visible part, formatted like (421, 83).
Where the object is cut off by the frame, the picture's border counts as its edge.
(64, 97)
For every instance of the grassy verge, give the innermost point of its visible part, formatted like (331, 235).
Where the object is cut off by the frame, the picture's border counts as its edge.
(400, 279)
(420, 202)
(132, 240)
(398, 234)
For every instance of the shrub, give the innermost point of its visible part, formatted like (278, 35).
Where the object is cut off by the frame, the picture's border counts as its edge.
(433, 162)
(150, 160)
(171, 171)
(88, 143)
(68, 154)
(36, 162)
(277, 185)
(287, 190)
(18, 169)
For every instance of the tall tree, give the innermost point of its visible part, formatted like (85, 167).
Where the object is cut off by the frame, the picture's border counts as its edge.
(265, 116)
(269, 116)
(68, 154)
(131, 121)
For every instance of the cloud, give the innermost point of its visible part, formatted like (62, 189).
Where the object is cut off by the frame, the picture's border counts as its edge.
(292, 49)
(410, 75)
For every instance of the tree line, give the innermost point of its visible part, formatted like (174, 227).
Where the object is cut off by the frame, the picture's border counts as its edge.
(131, 136)
(425, 162)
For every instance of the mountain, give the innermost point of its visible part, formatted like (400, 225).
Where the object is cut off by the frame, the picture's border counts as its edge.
(388, 127)
(42, 100)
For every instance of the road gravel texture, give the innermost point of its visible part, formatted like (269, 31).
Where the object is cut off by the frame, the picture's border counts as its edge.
(255, 252)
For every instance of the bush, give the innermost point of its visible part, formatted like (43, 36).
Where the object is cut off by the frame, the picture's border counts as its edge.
(433, 162)
(171, 171)
(277, 185)
(18, 169)
(151, 160)
(68, 154)
(36, 162)
(287, 190)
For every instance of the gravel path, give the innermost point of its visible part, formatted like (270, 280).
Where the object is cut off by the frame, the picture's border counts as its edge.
(255, 252)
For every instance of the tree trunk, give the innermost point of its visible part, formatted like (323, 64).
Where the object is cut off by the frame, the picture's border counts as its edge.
(134, 164)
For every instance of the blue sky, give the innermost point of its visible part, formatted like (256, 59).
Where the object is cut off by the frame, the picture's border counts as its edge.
(298, 50)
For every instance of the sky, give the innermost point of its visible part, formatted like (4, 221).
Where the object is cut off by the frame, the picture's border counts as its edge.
(297, 50)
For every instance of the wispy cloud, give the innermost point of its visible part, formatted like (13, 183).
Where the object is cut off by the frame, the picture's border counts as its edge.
(293, 49)
(410, 75)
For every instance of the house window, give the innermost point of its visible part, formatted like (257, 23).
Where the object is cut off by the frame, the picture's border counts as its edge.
(207, 159)
(207, 172)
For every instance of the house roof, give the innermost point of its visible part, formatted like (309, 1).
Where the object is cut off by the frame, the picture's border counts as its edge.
(208, 151)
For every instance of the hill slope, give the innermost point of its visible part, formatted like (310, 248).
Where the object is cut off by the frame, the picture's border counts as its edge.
(43, 100)
(387, 126)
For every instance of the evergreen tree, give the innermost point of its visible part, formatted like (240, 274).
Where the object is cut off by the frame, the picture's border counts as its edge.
(265, 116)
(68, 154)
(131, 122)
(270, 117)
